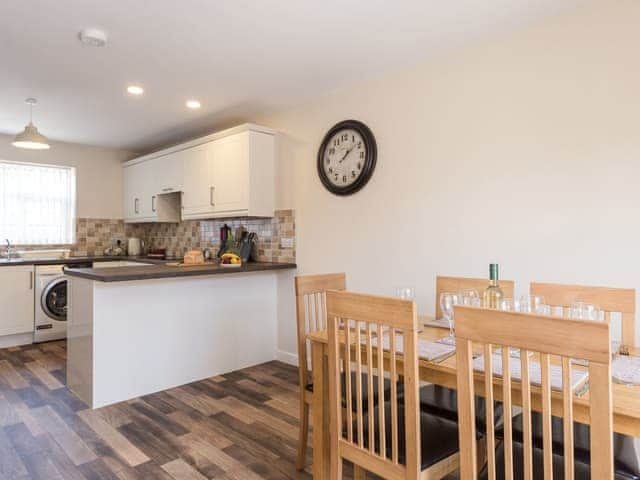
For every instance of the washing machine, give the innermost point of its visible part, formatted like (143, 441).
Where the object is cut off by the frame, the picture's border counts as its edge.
(51, 303)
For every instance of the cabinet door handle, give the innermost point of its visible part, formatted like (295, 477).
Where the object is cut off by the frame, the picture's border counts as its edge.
(135, 206)
(167, 189)
(153, 203)
(30, 280)
(213, 204)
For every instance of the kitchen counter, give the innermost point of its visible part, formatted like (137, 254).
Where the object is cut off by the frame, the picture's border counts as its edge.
(75, 260)
(160, 269)
(137, 329)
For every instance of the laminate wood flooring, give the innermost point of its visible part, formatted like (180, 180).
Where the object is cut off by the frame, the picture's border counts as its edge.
(238, 426)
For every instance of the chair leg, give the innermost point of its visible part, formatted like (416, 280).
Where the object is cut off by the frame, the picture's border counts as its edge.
(304, 435)
(359, 473)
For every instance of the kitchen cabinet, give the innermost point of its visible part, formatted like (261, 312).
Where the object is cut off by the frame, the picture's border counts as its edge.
(16, 299)
(232, 176)
(226, 174)
(143, 198)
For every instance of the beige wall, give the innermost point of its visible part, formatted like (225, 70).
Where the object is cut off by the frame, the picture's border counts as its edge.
(523, 150)
(98, 173)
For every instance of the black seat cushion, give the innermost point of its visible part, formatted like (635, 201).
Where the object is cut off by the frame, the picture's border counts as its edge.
(438, 436)
(443, 402)
(365, 390)
(626, 449)
(582, 470)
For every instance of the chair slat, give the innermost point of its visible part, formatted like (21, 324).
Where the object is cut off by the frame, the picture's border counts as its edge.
(526, 415)
(359, 419)
(370, 409)
(567, 421)
(381, 418)
(489, 415)
(394, 396)
(347, 380)
(506, 400)
(466, 410)
(546, 416)
(601, 420)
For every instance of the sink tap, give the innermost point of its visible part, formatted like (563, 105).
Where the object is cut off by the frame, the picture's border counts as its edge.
(9, 249)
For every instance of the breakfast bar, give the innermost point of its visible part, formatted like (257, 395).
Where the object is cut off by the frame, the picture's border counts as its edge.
(136, 330)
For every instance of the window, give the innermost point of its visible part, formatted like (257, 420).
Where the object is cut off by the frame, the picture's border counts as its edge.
(37, 204)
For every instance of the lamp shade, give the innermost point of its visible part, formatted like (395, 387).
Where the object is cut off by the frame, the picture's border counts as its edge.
(30, 138)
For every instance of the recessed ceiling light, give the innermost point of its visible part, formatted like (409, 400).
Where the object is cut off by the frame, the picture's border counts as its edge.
(93, 37)
(135, 89)
(193, 104)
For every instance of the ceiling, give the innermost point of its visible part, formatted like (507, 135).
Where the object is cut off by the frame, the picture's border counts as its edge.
(238, 57)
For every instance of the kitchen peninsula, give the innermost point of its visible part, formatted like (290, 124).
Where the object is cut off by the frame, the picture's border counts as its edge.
(139, 329)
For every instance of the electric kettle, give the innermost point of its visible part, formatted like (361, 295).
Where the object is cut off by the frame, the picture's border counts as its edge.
(134, 247)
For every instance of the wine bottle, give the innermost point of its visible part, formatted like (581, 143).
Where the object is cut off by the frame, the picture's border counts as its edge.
(493, 293)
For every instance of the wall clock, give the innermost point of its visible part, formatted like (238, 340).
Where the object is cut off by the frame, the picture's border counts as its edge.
(347, 157)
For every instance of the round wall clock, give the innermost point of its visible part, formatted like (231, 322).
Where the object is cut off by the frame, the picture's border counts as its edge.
(347, 157)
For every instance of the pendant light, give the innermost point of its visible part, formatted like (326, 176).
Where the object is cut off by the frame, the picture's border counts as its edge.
(30, 138)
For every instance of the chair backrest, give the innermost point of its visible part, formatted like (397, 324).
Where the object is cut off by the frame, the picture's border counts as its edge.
(546, 335)
(382, 334)
(311, 313)
(610, 300)
(455, 284)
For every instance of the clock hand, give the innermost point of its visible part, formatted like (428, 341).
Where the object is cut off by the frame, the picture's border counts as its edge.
(345, 155)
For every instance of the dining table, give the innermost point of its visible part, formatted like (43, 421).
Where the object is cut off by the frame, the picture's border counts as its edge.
(626, 398)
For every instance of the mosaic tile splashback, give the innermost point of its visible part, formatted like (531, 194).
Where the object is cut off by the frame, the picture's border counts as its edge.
(94, 235)
(178, 238)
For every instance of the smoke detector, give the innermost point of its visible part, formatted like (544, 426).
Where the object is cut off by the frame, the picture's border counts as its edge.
(93, 37)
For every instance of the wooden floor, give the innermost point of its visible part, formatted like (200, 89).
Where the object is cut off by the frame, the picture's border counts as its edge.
(242, 425)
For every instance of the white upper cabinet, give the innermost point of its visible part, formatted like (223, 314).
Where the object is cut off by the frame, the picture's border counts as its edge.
(227, 174)
(143, 198)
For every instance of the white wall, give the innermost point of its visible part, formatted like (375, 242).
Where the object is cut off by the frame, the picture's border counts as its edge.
(98, 173)
(523, 150)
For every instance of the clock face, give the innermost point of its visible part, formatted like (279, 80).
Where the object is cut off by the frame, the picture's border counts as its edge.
(347, 157)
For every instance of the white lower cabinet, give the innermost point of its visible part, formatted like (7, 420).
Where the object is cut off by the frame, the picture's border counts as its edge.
(16, 299)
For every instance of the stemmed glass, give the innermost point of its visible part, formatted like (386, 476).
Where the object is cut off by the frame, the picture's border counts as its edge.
(469, 296)
(531, 303)
(447, 302)
(406, 293)
(584, 311)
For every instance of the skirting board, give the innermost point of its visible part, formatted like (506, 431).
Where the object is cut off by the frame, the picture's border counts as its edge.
(8, 341)
(286, 357)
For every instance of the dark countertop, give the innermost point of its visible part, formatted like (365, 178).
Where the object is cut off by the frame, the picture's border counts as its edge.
(75, 260)
(147, 272)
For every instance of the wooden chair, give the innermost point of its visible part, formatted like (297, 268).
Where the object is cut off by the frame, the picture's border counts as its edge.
(311, 316)
(455, 284)
(610, 300)
(546, 335)
(393, 439)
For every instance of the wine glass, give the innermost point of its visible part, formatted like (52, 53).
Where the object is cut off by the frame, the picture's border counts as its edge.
(506, 304)
(531, 303)
(469, 296)
(406, 293)
(584, 311)
(447, 302)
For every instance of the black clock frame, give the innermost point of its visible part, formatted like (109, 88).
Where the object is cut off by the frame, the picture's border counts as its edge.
(369, 161)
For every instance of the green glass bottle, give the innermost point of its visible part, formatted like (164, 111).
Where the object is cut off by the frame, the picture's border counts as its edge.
(493, 293)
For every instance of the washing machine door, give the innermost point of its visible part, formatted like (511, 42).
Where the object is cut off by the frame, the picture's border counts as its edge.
(54, 299)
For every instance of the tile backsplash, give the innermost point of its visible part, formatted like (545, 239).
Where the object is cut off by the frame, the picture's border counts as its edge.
(94, 235)
(177, 238)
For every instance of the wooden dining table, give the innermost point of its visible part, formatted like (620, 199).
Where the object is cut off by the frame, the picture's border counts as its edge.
(626, 399)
